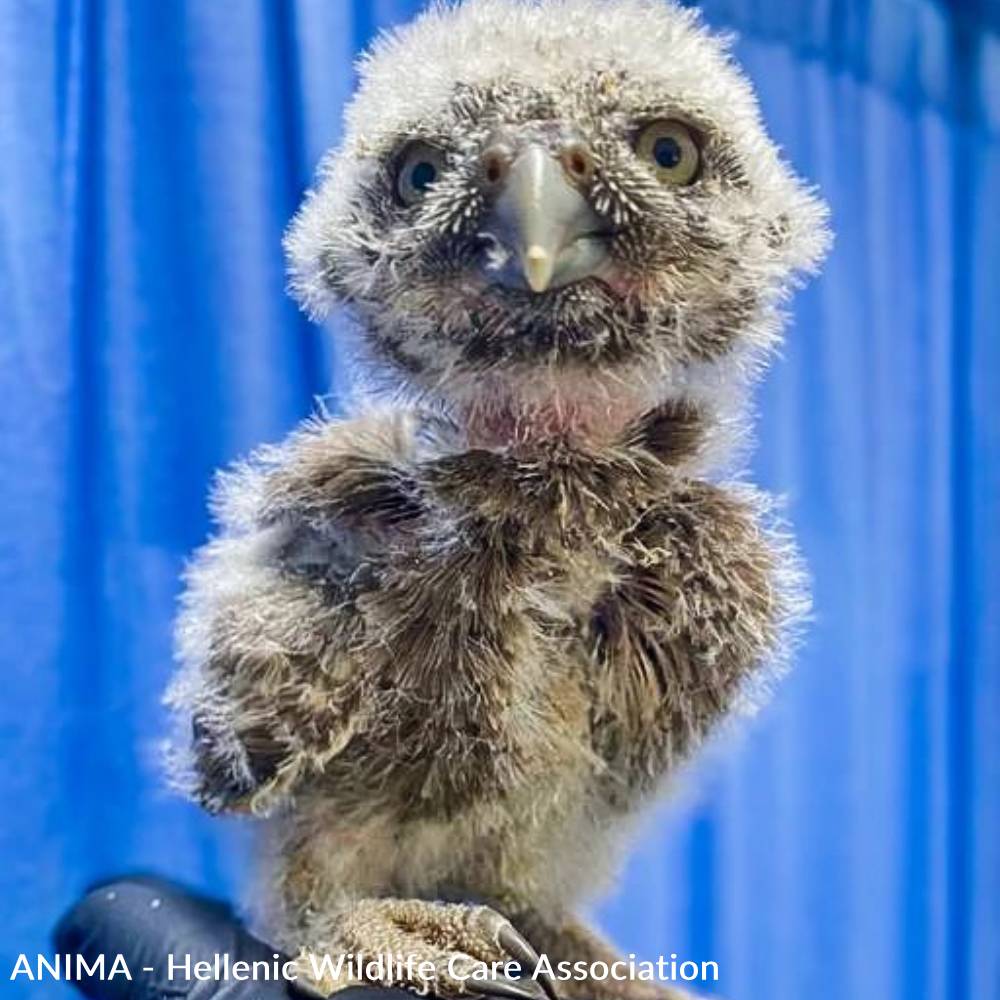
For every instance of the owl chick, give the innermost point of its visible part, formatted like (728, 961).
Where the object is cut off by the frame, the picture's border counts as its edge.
(448, 647)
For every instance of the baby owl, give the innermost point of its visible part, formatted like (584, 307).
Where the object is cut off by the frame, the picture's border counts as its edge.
(447, 647)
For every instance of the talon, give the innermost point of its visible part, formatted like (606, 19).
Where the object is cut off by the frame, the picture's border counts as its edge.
(512, 941)
(504, 986)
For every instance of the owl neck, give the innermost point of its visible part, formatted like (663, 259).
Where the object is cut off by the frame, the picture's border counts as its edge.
(582, 411)
(512, 423)
(505, 409)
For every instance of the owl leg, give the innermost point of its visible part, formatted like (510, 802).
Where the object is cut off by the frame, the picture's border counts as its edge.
(569, 940)
(449, 949)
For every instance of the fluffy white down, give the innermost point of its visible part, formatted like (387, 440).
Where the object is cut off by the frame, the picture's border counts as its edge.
(540, 44)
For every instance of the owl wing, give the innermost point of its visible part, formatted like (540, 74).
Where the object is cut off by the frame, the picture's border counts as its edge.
(705, 599)
(270, 639)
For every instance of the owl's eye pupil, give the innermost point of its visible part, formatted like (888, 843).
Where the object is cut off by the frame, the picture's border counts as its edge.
(422, 175)
(669, 148)
(419, 165)
(667, 152)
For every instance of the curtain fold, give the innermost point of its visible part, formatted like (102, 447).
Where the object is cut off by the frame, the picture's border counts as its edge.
(845, 843)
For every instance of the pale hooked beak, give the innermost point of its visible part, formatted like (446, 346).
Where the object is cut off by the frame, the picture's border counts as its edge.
(551, 234)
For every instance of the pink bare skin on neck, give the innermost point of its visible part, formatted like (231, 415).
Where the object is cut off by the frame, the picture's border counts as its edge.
(579, 410)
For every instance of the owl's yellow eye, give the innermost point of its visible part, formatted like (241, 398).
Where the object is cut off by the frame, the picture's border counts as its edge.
(669, 147)
(420, 165)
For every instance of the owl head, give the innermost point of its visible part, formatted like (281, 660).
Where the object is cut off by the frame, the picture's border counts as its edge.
(554, 200)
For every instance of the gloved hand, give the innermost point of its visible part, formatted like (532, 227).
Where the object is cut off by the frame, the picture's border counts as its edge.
(146, 920)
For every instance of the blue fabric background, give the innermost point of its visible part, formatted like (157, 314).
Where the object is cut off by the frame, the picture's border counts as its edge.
(150, 156)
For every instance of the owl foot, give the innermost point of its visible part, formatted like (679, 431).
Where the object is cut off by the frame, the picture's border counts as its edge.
(452, 950)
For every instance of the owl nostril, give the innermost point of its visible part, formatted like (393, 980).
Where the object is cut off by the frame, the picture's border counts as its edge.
(578, 162)
(495, 165)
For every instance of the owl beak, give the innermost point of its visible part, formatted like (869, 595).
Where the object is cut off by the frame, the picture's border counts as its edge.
(551, 231)
(538, 262)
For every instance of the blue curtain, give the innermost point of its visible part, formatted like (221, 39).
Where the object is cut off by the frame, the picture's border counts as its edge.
(150, 155)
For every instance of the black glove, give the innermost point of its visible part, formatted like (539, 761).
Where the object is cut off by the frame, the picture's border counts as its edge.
(147, 919)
